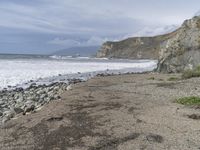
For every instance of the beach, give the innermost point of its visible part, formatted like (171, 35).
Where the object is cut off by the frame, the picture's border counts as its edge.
(115, 112)
(99, 75)
(28, 82)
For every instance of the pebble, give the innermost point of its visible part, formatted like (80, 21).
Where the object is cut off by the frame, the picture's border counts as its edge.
(69, 87)
(18, 110)
(29, 108)
(19, 100)
(8, 115)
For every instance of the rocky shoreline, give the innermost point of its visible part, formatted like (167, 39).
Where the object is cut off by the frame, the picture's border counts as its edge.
(120, 112)
(20, 100)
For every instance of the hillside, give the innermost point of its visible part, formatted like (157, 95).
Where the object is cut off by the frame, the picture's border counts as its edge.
(181, 51)
(176, 51)
(134, 48)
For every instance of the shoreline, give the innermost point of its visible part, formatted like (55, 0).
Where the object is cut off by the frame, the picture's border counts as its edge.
(132, 111)
(32, 96)
(25, 100)
(22, 72)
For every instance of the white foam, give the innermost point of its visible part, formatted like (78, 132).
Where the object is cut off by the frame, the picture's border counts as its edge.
(15, 72)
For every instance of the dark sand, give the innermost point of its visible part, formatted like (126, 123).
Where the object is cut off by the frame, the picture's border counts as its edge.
(127, 112)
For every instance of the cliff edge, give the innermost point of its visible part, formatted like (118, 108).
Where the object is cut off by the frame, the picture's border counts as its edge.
(175, 52)
(182, 51)
(133, 48)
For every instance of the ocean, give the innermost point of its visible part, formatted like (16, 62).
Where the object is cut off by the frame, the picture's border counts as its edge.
(20, 70)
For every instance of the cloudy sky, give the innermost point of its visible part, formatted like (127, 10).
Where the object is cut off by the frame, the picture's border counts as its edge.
(44, 26)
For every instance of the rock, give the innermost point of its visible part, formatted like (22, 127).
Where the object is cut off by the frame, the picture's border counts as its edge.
(52, 98)
(58, 97)
(69, 87)
(40, 91)
(43, 96)
(182, 50)
(7, 115)
(18, 110)
(133, 48)
(33, 85)
(29, 108)
(19, 89)
(5, 119)
(20, 100)
(1, 114)
(2, 102)
(101, 75)
(74, 81)
(176, 51)
(56, 88)
(47, 99)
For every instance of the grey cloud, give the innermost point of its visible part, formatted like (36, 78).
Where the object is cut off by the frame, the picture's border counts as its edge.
(33, 26)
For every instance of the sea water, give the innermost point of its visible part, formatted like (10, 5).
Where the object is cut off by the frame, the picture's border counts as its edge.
(17, 70)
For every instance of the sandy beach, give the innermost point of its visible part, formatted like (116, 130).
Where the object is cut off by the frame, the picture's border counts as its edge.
(122, 112)
(99, 75)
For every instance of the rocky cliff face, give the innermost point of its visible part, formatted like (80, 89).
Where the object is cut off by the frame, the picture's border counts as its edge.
(133, 48)
(176, 52)
(182, 51)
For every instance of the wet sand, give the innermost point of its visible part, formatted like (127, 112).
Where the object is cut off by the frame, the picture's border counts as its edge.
(124, 112)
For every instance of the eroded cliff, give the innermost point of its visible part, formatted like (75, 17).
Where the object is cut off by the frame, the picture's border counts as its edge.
(176, 51)
(133, 48)
(182, 51)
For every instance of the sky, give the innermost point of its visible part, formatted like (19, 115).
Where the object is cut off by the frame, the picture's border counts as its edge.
(44, 26)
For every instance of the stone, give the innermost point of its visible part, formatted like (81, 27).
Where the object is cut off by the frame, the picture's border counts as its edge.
(43, 96)
(182, 50)
(18, 110)
(19, 89)
(20, 99)
(56, 88)
(29, 108)
(8, 115)
(69, 87)
(2, 102)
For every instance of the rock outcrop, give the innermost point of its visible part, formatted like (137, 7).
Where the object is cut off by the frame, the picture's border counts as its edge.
(133, 48)
(176, 51)
(182, 51)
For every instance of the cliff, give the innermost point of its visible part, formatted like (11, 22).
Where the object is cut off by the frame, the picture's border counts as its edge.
(176, 51)
(133, 48)
(182, 51)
